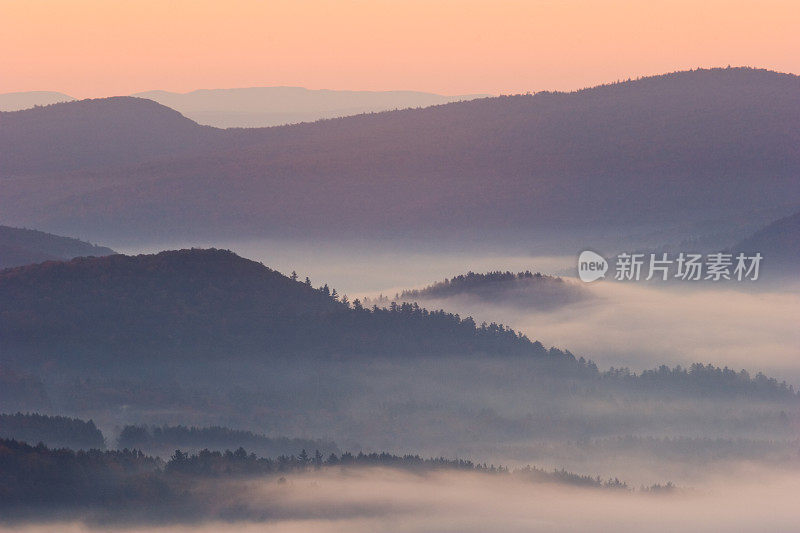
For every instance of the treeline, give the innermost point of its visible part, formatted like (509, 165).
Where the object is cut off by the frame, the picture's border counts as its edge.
(533, 473)
(702, 380)
(53, 431)
(242, 463)
(412, 329)
(161, 440)
(35, 480)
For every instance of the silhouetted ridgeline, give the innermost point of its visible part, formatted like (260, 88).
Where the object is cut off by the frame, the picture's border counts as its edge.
(53, 431)
(37, 481)
(24, 246)
(161, 440)
(524, 289)
(95, 133)
(208, 302)
(636, 152)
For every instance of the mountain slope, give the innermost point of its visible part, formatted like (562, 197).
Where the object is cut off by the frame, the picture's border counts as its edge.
(95, 134)
(778, 243)
(273, 106)
(24, 246)
(675, 149)
(195, 303)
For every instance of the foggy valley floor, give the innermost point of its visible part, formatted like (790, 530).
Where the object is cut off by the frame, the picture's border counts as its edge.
(386, 500)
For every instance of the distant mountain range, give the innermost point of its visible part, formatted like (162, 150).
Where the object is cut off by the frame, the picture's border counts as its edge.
(28, 99)
(24, 246)
(678, 149)
(259, 107)
(256, 107)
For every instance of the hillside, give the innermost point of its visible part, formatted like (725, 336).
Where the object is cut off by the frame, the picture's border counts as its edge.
(24, 246)
(682, 148)
(778, 243)
(206, 303)
(254, 107)
(99, 133)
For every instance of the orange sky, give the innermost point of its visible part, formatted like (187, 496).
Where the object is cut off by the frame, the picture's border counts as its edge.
(104, 47)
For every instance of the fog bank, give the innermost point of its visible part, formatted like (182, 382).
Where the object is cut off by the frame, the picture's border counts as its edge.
(369, 500)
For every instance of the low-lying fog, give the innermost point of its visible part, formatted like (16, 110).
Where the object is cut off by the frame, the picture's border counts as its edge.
(645, 325)
(743, 499)
(494, 410)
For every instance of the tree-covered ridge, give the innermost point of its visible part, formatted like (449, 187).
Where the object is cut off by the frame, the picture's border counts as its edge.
(703, 380)
(524, 289)
(187, 305)
(117, 483)
(205, 302)
(472, 280)
(160, 439)
(53, 431)
(38, 478)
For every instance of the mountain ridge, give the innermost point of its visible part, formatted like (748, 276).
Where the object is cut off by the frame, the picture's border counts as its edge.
(203, 303)
(684, 147)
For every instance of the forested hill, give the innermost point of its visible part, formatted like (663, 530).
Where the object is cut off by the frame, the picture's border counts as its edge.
(522, 289)
(215, 303)
(20, 246)
(55, 431)
(94, 133)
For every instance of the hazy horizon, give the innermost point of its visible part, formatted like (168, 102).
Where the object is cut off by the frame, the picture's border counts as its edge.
(478, 47)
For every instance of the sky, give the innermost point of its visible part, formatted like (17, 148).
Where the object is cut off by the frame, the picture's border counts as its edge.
(90, 48)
